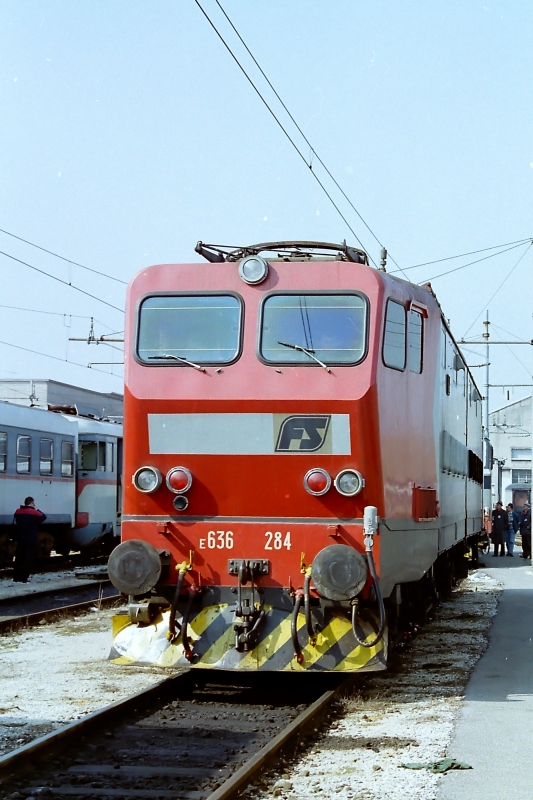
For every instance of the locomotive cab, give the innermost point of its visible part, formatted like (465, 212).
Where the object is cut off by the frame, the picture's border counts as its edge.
(277, 400)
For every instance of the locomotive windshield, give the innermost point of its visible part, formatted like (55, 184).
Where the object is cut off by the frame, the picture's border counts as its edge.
(302, 328)
(189, 329)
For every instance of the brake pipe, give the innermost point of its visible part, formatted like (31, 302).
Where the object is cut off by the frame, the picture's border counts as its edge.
(298, 597)
(371, 521)
(182, 568)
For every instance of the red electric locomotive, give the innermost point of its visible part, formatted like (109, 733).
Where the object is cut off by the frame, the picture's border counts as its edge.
(302, 463)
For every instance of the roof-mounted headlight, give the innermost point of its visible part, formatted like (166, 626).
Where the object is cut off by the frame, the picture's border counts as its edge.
(253, 269)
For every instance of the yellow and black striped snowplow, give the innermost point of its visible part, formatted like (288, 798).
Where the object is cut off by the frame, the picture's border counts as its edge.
(212, 638)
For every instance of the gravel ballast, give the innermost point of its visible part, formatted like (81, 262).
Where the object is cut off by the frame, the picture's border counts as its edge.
(402, 716)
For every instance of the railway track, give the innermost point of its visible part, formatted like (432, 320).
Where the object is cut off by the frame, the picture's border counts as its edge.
(48, 606)
(58, 563)
(197, 735)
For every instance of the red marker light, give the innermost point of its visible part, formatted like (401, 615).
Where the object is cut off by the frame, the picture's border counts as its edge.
(317, 482)
(179, 480)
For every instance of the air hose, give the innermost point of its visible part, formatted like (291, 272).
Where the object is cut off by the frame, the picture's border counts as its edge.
(182, 568)
(370, 529)
(307, 605)
(187, 651)
(298, 597)
(172, 633)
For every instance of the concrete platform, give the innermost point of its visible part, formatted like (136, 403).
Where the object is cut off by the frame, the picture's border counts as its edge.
(495, 729)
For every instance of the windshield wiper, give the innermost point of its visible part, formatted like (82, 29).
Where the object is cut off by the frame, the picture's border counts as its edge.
(309, 353)
(178, 358)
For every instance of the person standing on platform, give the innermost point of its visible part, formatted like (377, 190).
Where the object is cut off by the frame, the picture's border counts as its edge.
(499, 527)
(525, 531)
(512, 527)
(27, 520)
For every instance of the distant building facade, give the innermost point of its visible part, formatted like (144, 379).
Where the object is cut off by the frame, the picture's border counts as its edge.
(510, 435)
(43, 393)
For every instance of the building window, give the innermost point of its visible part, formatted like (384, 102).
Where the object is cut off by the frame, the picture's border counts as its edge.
(3, 452)
(24, 454)
(46, 456)
(394, 339)
(520, 453)
(67, 459)
(416, 329)
(521, 476)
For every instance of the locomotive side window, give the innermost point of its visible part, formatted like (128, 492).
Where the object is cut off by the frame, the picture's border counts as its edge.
(313, 328)
(394, 339)
(67, 459)
(416, 338)
(189, 329)
(46, 456)
(3, 452)
(23, 454)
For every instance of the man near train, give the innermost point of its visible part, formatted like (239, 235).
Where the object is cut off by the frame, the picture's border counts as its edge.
(27, 520)
(525, 531)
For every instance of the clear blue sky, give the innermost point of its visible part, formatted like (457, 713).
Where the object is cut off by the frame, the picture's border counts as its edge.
(128, 133)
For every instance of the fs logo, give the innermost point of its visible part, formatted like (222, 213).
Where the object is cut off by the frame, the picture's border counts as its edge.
(304, 434)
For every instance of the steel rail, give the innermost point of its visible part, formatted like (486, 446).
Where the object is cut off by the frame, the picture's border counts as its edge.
(246, 774)
(51, 614)
(15, 763)
(17, 760)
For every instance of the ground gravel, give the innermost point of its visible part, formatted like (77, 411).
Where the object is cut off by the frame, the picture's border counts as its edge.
(56, 673)
(402, 716)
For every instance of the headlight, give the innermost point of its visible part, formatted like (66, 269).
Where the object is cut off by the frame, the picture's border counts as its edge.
(253, 269)
(147, 479)
(349, 482)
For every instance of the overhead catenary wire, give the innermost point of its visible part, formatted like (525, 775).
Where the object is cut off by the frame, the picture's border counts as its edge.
(470, 263)
(300, 131)
(500, 286)
(463, 255)
(60, 280)
(59, 314)
(56, 255)
(282, 127)
(56, 358)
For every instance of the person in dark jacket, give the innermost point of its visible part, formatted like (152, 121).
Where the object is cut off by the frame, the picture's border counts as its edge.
(512, 527)
(499, 526)
(27, 520)
(525, 531)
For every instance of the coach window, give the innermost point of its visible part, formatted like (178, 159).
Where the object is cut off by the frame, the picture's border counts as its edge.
(101, 456)
(394, 339)
(46, 455)
(67, 459)
(311, 328)
(88, 455)
(416, 338)
(23, 454)
(187, 330)
(3, 452)
(109, 457)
